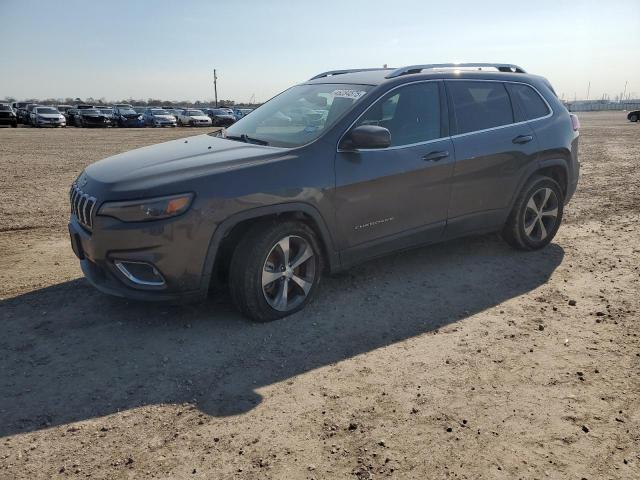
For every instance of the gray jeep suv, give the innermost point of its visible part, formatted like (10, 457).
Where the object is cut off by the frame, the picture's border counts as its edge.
(347, 166)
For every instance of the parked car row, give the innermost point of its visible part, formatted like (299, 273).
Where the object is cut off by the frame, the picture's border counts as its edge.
(119, 115)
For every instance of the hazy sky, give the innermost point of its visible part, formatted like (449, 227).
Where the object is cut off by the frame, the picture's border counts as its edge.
(168, 49)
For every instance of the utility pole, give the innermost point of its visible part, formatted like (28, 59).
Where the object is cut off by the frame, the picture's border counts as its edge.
(215, 86)
(588, 89)
(625, 89)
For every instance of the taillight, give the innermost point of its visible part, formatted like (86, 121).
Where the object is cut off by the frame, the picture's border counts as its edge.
(575, 123)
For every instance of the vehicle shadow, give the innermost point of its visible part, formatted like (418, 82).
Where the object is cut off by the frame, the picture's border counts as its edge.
(70, 353)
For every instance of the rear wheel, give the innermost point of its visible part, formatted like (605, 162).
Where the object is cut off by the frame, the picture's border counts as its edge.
(275, 270)
(536, 215)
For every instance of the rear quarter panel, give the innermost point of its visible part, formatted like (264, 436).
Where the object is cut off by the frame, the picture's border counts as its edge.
(556, 138)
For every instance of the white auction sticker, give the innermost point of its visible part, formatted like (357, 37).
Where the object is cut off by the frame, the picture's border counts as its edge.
(354, 94)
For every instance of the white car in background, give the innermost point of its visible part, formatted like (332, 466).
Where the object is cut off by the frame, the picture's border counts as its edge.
(193, 118)
(47, 117)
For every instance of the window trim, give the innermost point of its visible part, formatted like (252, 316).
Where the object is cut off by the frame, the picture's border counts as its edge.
(447, 111)
(444, 110)
(458, 135)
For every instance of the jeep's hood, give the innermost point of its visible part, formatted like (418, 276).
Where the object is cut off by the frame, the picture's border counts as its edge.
(175, 161)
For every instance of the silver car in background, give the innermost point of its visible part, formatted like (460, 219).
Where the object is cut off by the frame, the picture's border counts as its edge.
(158, 117)
(47, 117)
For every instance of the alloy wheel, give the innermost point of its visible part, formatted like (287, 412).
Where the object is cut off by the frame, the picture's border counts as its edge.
(541, 214)
(289, 273)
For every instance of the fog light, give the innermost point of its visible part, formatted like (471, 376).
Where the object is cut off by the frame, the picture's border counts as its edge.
(140, 273)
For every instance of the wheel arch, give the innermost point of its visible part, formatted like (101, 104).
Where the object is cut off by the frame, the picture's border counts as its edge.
(231, 229)
(555, 168)
(558, 170)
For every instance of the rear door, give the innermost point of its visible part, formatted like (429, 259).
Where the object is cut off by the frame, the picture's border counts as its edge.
(492, 153)
(405, 187)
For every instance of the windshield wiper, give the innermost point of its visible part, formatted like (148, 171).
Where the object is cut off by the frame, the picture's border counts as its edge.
(247, 139)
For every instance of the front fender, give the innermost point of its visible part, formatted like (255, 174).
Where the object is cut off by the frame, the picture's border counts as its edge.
(291, 207)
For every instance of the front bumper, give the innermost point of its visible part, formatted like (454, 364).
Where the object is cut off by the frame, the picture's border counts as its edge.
(176, 247)
(95, 122)
(164, 123)
(131, 122)
(50, 123)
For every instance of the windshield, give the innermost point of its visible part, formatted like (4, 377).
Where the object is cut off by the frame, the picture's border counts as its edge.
(91, 111)
(47, 110)
(298, 115)
(159, 111)
(194, 113)
(128, 111)
(106, 110)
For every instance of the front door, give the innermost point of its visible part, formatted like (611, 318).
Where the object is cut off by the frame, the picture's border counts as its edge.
(395, 192)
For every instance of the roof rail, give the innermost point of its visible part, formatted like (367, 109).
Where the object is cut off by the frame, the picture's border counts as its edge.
(331, 73)
(501, 67)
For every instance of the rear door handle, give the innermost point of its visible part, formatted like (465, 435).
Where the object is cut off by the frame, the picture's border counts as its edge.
(520, 139)
(435, 156)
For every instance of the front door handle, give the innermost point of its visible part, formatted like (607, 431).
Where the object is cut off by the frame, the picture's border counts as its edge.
(435, 156)
(521, 139)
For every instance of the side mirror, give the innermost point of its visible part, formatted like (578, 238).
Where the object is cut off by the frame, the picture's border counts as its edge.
(368, 136)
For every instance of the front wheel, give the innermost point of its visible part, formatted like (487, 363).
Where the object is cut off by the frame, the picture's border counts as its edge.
(536, 215)
(633, 118)
(275, 270)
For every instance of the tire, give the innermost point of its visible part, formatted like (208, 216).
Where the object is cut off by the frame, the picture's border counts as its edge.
(633, 118)
(536, 214)
(14, 125)
(258, 257)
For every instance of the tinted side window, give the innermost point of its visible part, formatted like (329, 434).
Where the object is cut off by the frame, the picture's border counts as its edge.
(529, 100)
(480, 105)
(411, 113)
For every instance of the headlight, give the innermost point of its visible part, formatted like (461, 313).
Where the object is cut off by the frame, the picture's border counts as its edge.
(149, 209)
(139, 117)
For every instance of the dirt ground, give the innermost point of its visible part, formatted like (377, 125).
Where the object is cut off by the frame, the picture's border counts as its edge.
(464, 360)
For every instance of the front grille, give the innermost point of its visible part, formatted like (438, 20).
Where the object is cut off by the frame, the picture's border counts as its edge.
(82, 206)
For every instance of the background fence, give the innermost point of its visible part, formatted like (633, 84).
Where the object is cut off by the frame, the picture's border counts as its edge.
(586, 106)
